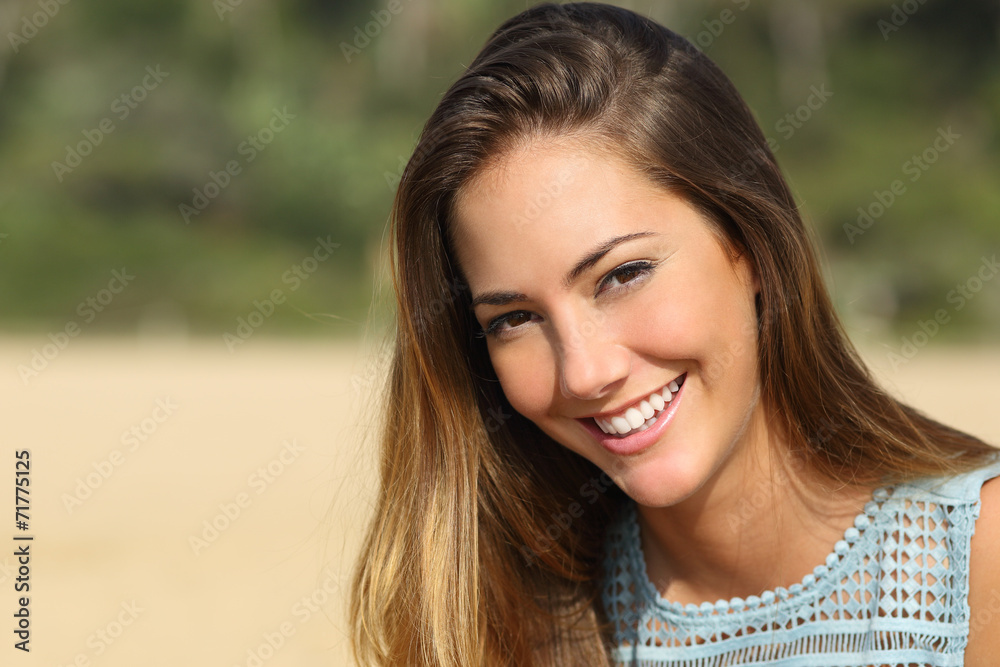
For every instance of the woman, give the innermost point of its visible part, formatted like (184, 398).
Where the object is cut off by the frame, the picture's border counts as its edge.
(624, 421)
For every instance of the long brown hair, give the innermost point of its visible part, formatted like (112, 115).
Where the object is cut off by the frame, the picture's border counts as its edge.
(486, 542)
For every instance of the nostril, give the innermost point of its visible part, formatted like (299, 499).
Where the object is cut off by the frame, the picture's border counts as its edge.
(591, 366)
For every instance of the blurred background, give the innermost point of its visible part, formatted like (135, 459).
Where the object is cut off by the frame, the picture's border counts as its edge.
(193, 207)
(355, 94)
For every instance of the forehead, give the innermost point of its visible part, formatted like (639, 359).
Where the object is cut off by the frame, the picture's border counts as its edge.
(530, 217)
(544, 189)
(557, 159)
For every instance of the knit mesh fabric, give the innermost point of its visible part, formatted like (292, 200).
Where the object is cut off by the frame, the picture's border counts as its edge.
(892, 592)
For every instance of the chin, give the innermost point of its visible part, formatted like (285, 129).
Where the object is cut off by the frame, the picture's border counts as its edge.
(662, 482)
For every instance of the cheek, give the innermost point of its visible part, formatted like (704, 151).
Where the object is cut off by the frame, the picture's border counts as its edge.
(526, 372)
(714, 329)
(667, 321)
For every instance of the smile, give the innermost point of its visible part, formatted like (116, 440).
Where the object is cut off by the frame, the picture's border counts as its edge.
(640, 416)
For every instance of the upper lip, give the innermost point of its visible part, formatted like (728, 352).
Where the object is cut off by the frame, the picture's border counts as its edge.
(608, 414)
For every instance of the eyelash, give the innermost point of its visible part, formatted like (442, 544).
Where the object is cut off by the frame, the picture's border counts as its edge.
(642, 267)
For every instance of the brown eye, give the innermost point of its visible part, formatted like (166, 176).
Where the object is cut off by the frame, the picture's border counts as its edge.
(625, 274)
(628, 274)
(517, 319)
(506, 323)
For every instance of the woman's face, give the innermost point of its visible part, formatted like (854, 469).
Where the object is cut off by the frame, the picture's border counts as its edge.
(614, 318)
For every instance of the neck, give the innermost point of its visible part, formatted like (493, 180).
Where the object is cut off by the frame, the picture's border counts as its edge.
(764, 519)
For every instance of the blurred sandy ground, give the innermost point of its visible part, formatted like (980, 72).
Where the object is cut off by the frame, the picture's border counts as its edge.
(276, 575)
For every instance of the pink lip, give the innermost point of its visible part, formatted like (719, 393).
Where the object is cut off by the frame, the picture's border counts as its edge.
(636, 442)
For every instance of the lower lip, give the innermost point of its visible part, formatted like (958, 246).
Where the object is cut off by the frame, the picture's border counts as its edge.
(636, 442)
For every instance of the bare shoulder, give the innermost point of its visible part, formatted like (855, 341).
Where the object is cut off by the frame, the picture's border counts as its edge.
(984, 581)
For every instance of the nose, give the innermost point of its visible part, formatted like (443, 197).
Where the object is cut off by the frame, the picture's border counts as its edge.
(591, 366)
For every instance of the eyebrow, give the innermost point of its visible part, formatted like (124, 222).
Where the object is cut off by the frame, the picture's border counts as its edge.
(502, 298)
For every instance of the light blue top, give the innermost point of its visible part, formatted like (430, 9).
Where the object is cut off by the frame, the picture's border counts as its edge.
(893, 591)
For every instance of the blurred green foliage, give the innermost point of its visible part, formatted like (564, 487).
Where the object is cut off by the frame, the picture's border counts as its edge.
(898, 73)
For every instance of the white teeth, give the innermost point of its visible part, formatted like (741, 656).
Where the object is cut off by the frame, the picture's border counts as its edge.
(634, 417)
(621, 424)
(641, 416)
(646, 424)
